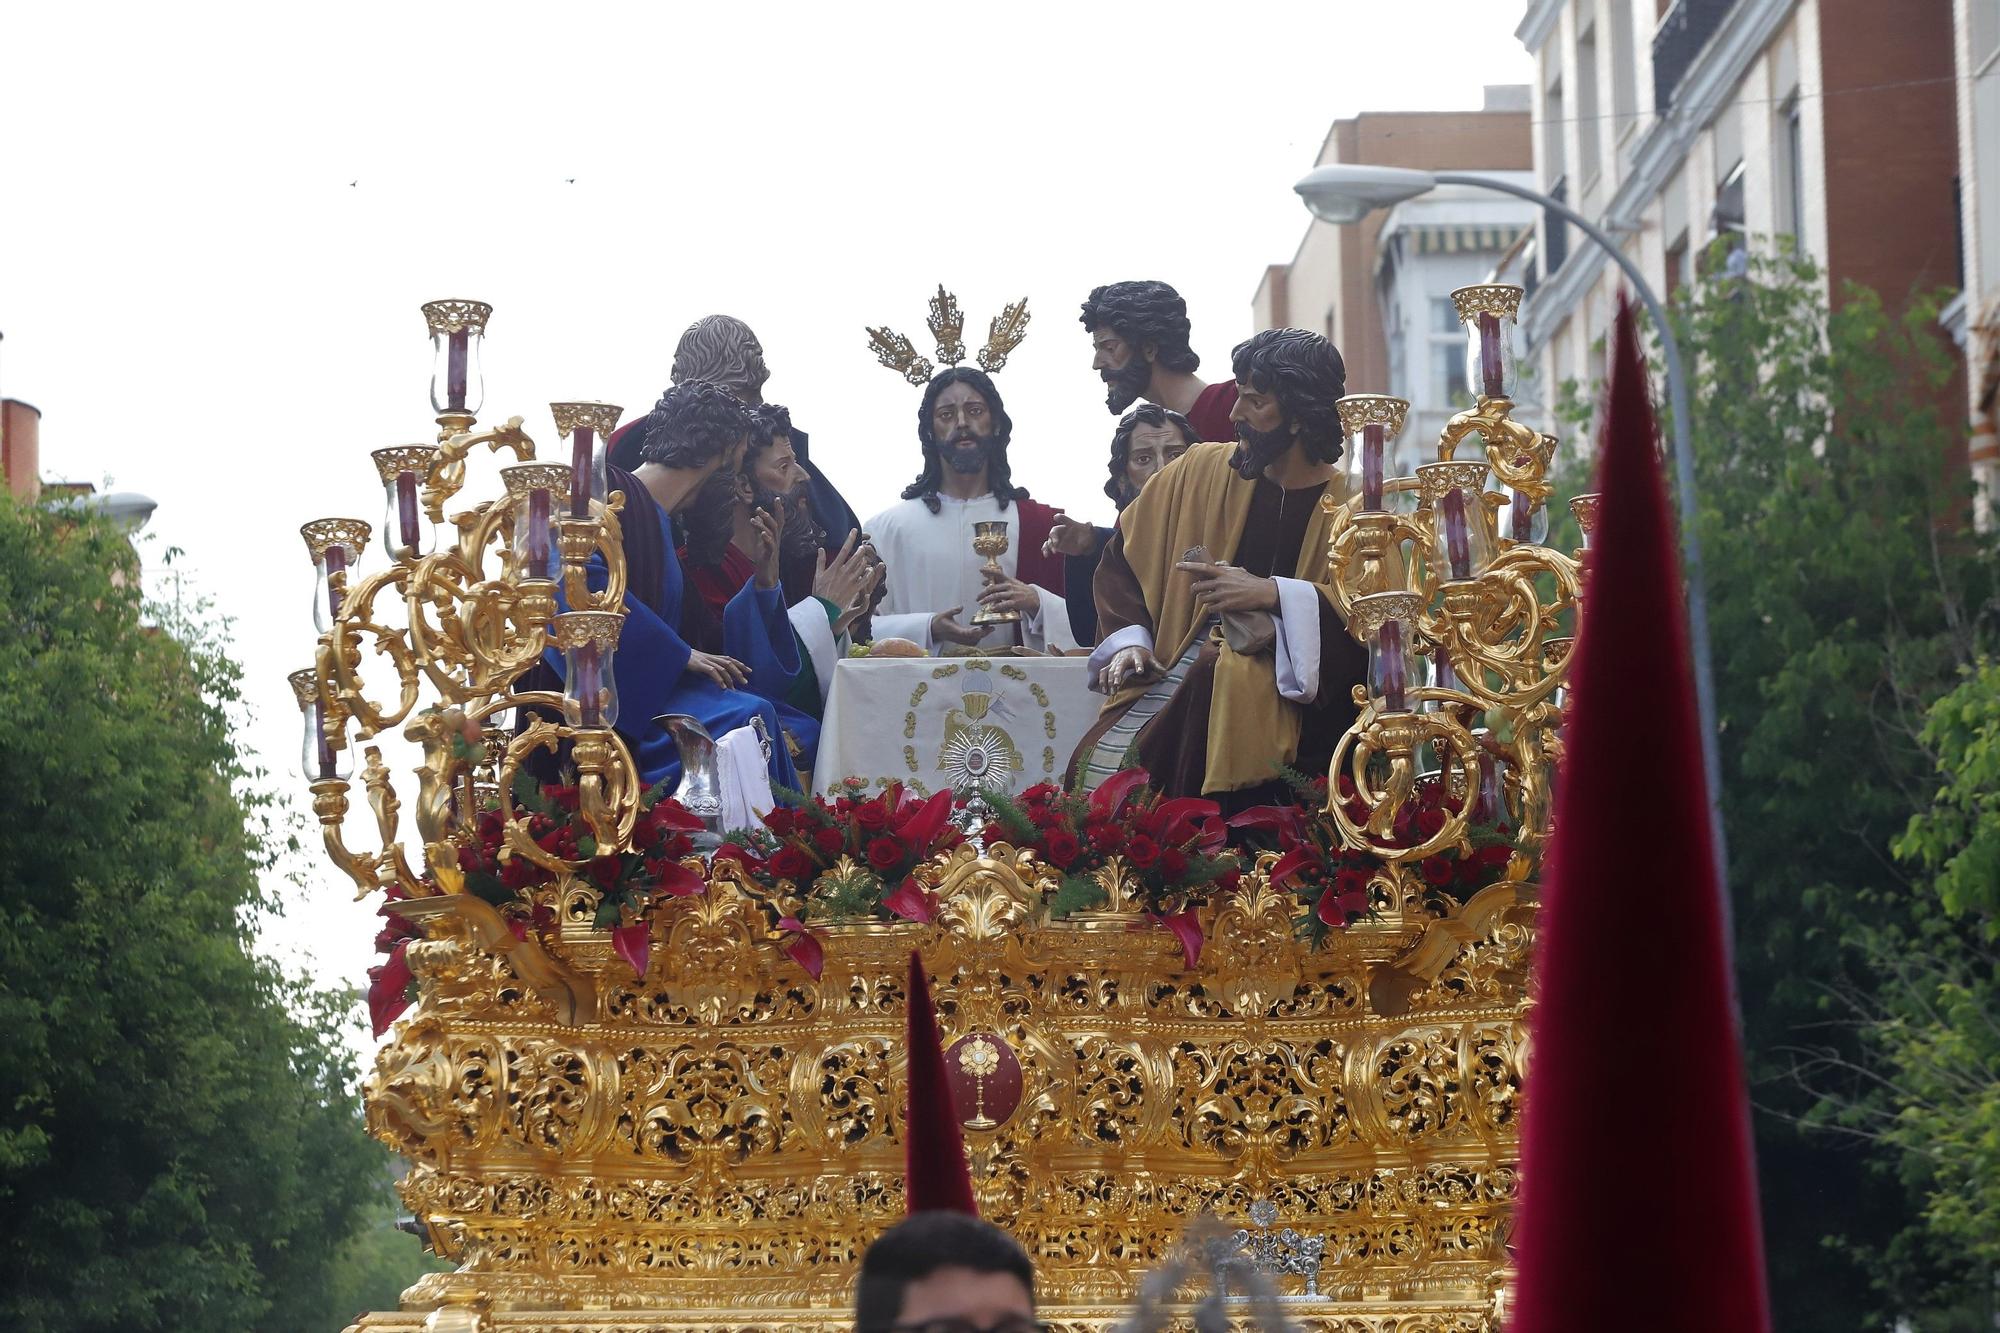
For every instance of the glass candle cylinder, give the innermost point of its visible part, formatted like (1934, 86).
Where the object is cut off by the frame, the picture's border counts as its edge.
(1386, 623)
(589, 641)
(406, 534)
(1522, 519)
(1464, 537)
(1375, 420)
(587, 426)
(458, 328)
(320, 758)
(335, 545)
(1490, 805)
(534, 490)
(1490, 312)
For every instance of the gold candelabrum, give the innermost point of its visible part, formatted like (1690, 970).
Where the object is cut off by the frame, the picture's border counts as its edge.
(1444, 578)
(712, 1144)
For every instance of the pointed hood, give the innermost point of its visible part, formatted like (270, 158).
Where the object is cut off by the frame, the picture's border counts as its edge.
(1636, 1165)
(935, 1174)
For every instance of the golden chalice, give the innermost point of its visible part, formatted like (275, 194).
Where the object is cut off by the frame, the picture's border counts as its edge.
(990, 540)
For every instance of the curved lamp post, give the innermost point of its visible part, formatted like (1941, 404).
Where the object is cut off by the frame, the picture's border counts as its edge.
(1347, 192)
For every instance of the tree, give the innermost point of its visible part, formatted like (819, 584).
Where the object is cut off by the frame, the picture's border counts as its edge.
(178, 1143)
(1846, 590)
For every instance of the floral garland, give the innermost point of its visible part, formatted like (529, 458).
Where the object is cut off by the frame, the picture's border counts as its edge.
(855, 856)
(1172, 849)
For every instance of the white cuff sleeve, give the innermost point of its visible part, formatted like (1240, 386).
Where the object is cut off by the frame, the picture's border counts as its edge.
(1051, 620)
(912, 625)
(815, 636)
(1297, 648)
(1132, 636)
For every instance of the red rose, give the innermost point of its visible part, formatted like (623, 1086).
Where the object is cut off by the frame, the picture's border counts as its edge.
(884, 853)
(1044, 817)
(1430, 823)
(788, 862)
(1439, 870)
(604, 870)
(1173, 863)
(1063, 849)
(993, 833)
(1227, 881)
(1142, 851)
(1350, 881)
(873, 816)
(1495, 856)
(782, 821)
(1041, 792)
(1105, 838)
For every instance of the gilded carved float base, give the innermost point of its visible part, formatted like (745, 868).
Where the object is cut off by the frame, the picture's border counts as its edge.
(722, 1139)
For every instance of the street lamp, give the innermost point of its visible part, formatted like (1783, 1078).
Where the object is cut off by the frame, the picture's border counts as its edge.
(1344, 193)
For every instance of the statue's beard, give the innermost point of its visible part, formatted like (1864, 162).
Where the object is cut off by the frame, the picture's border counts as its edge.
(1258, 449)
(1126, 383)
(966, 453)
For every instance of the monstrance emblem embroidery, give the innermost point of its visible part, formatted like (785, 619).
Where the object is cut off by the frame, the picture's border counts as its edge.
(979, 1059)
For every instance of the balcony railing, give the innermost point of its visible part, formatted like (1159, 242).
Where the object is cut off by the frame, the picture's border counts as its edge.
(1679, 39)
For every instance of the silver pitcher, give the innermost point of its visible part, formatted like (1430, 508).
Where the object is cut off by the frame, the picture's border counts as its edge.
(701, 782)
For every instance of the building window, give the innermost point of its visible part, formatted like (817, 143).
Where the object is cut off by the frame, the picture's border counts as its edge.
(1624, 81)
(1677, 265)
(1728, 221)
(1588, 165)
(1555, 231)
(1448, 388)
(1788, 190)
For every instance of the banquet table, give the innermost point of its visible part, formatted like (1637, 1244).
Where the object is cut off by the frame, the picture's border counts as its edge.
(1003, 723)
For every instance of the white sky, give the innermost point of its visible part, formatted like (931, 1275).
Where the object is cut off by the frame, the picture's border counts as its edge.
(217, 224)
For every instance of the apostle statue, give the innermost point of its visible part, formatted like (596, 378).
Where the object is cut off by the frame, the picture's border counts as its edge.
(696, 432)
(1222, 656)
(1147, 439)
(722, 350)
(1139, 339)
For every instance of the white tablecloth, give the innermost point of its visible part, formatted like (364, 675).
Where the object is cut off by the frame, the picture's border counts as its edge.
(934, 722)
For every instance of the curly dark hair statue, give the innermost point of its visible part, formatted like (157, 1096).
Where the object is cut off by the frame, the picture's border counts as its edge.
(1145, 314)
(998, 473)
(1146, 414)
(802, 536)
(1304, 372)
(692, 424)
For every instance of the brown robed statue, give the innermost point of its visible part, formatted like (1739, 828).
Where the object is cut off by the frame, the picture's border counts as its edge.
(1222, 657)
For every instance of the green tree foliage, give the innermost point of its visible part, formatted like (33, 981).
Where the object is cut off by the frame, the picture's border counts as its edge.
(178, 1144)
(1846, 591)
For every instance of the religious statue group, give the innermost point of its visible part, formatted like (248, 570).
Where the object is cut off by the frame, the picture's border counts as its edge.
(1220, 657)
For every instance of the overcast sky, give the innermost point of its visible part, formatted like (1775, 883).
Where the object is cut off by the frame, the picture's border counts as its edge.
(217, 224)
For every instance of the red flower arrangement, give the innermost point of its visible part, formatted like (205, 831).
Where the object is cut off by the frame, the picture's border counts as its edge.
(1333, 879)
(630, 882)
(853, 856)
(1174, 847)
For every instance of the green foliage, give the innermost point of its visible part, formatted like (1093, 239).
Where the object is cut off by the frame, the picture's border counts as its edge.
(1076, 893)
(378, 1262)
(178, 1144)
(1846, 590)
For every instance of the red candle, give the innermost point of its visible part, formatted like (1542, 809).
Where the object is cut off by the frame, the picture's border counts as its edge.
(1521, 516)
(327, 767)
(1457, 539)
(406, 510)
(1492, 373)
(454, 380)
(538, 533)
(582, 456)
(336, 578)
(1371, 467)
(589, 687)
(1447, 676)
(1395, 672)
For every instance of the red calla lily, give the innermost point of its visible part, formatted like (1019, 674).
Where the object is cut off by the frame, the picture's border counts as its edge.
(1109, 798)
(389, 989)
(678, 880)
(634, 944)
(1187, 929)
(803, 947)
(925, 821)
(1283, 820)
(910, 901)
(1181, 817)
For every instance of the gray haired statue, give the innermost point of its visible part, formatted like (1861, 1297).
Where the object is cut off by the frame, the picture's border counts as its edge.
(722, 350)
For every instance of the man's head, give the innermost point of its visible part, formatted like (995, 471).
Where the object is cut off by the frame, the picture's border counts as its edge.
(963, 426)
(1287, 382)
(1135, 327)
(1148, 438)
(771, 469)
(697, 427)
(722, 350)
(945, 1266)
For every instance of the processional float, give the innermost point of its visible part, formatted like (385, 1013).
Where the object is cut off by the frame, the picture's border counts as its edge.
(629, 1099)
